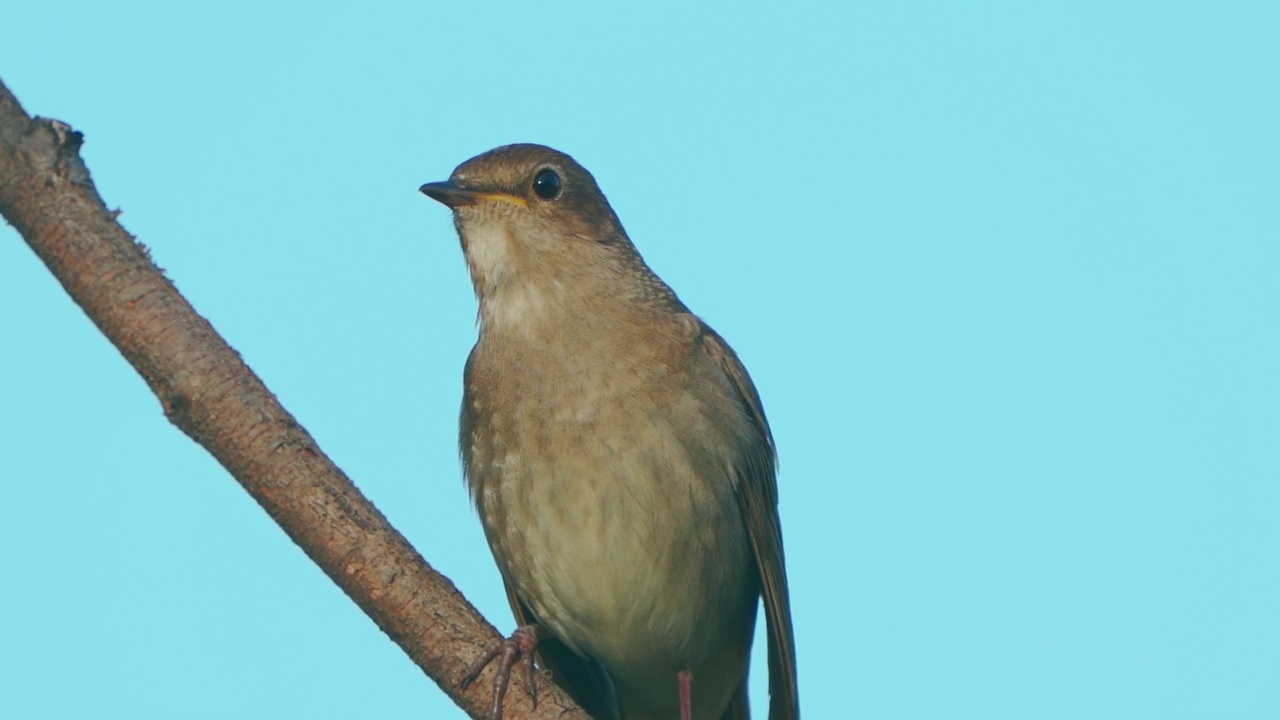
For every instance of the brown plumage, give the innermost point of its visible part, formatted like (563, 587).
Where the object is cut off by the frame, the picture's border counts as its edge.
(617, 452)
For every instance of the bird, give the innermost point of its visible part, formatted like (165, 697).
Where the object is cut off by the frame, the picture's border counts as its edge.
(618, 456)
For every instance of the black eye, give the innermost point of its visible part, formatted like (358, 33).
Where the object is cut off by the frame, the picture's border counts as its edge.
(547, 184)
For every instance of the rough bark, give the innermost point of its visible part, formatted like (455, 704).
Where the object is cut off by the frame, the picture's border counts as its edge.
(210, 394)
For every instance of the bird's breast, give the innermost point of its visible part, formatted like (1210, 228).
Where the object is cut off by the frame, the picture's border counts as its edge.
(603, 481)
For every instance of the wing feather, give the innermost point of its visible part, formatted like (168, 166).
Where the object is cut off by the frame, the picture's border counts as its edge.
(758, 501)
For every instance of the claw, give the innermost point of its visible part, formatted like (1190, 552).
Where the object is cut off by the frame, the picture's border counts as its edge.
(521, 645)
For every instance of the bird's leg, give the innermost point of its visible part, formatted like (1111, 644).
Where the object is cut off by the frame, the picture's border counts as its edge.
(521, 645)
(685, 678)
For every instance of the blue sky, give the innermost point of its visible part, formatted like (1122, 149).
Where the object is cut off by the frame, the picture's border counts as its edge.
(1005, 275)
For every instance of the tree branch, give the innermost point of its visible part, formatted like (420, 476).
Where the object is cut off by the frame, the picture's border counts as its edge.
(209, 393)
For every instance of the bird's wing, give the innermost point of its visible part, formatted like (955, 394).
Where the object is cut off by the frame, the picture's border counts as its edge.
(758, 500)
(585, 680)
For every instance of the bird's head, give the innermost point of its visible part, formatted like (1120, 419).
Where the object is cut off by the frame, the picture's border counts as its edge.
(531, 211)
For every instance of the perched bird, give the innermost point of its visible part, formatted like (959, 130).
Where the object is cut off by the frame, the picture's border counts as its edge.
(618, 455)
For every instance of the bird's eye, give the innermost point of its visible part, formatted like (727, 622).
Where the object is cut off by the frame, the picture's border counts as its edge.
(547, 184)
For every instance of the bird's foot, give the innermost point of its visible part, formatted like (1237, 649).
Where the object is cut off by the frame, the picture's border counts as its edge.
(685, 678)
(520, 646)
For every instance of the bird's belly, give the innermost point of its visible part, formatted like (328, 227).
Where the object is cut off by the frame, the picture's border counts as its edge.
(630, 548)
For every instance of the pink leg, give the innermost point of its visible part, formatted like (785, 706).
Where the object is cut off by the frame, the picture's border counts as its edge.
(686, 694)
(522, 644)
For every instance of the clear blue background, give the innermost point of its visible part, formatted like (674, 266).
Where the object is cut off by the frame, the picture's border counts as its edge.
(1006, 275)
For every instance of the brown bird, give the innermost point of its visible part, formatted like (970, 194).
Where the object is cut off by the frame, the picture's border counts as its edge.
(618, 455)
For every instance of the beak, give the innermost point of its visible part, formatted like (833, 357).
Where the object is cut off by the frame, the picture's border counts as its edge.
(456, 196)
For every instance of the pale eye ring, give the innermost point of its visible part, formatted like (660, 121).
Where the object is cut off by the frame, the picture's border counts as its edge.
(546, 184)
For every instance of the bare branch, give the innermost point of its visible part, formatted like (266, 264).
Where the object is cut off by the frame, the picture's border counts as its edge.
(207, 391)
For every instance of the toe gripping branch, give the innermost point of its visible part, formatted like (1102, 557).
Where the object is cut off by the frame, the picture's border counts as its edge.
(520, 646)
